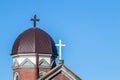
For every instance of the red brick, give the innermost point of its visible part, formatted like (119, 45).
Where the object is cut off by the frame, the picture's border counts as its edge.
(60, 76)
(26, 74)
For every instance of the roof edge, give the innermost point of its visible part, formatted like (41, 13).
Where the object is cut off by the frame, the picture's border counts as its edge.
(57, 68)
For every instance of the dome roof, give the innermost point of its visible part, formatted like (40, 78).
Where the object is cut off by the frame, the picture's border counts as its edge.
(34, 40)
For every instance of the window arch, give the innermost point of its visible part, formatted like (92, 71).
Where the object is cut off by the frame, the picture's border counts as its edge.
(16, 76)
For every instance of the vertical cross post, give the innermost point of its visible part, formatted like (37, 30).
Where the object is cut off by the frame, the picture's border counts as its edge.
(34, 20)
(60, 49)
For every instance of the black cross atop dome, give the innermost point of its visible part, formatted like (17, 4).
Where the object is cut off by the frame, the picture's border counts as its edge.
(34, 20)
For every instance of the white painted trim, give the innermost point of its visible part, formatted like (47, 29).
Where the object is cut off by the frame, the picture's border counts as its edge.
(67, 74)
(53, 74)
(15, 64)
(16, 74)
(63, 71)
(22, 65)
(31, 54)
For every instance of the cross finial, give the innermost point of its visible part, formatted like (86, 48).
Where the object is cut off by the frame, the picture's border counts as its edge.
(34, 20)
(60, 49)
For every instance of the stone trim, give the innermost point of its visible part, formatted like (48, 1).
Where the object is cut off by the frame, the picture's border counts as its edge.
(30, 54)
(27, 64)
(45, 64)
(15, 65)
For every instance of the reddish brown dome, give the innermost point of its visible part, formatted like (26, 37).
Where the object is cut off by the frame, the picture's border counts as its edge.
(34, 40)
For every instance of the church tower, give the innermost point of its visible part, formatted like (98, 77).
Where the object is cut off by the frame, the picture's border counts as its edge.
(33, 54)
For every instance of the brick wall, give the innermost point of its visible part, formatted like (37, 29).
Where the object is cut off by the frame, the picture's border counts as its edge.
(26, 74)
(44, 70)
(60, 76)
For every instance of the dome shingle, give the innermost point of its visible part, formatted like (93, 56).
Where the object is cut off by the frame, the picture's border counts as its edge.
(34, 40)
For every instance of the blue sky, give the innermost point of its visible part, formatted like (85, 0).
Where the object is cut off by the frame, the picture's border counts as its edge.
(89, 28)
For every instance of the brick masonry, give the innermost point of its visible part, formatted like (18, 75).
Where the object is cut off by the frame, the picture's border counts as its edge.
(60, 76)
(26, 74)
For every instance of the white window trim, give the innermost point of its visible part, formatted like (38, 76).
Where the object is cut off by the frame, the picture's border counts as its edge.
(15, 75)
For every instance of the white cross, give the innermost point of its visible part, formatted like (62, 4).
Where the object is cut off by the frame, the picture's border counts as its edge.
(60, 49)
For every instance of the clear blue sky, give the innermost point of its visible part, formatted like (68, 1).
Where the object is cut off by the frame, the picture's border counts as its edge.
(89, 28)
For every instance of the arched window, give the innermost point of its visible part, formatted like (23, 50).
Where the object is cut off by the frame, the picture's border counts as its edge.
(16, 76)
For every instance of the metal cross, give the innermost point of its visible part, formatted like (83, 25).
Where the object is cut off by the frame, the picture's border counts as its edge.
(34, 20)
(60, 49)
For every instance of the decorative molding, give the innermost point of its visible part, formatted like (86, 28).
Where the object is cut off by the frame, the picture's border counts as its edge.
(52, 63)
(30, 54)
(63, 70)
(67, 74)
(15, 64)
(16, 76)
(48, 78)
(44, 64)
(27, 64)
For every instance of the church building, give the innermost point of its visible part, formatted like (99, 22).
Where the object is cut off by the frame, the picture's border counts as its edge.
(34, 56)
